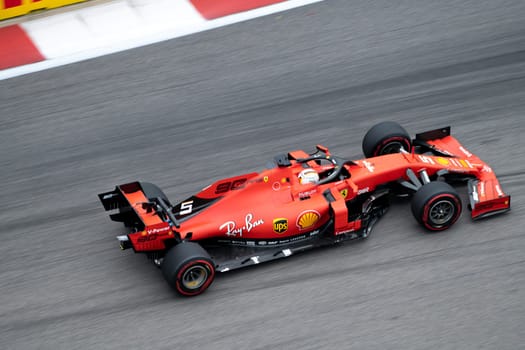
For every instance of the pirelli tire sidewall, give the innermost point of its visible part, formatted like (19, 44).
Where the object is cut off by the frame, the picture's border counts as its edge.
(188, 268)
(436, 206)
(385, 138)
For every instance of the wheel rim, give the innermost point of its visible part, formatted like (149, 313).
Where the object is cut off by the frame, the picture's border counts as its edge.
(392, 147)
(441, 212)
(194, 277)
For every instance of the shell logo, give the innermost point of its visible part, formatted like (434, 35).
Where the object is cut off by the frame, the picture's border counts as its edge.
(307, 219)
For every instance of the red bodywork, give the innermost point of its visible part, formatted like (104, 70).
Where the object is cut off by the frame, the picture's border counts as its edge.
(273, 207)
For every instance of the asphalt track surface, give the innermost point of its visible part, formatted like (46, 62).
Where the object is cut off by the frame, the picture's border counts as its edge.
(188, 111)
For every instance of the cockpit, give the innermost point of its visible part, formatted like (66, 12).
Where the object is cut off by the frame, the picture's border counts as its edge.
(319, 167)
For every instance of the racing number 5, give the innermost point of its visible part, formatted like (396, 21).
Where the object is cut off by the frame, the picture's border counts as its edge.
(186, 208)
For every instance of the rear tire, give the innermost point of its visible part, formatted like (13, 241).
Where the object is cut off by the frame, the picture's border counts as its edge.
(188, 268)
(386, 138)
(436, 206)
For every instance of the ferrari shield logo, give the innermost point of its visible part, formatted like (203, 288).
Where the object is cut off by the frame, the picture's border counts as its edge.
(344, 193)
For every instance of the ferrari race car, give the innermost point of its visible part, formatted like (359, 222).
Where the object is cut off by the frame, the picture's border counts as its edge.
(303, 201)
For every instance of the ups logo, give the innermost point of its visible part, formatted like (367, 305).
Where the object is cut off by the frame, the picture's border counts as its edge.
(280, 225)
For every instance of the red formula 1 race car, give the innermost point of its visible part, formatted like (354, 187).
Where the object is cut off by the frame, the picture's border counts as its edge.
(303, 201)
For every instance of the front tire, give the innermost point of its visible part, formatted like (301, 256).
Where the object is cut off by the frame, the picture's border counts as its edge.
(436, 206)
(386, 138)
(188, 268)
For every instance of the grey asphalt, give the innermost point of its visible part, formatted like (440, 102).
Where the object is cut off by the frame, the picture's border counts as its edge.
(188, 111)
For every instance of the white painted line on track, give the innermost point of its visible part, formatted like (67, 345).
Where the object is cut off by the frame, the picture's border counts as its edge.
(78, 43)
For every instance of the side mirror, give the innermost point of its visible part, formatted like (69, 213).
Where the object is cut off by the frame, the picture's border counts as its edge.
(323, 149)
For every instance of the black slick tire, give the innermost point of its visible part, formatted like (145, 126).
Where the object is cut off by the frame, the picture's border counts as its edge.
(188, 268)
(436, 206)
(385, 138)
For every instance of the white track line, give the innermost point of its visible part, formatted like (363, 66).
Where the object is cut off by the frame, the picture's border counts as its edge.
(84, 33)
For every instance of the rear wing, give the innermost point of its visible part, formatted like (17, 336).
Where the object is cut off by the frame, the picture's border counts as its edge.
(485, 194)
(139, 205)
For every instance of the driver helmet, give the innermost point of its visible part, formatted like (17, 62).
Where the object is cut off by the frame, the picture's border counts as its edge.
(308, 176)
